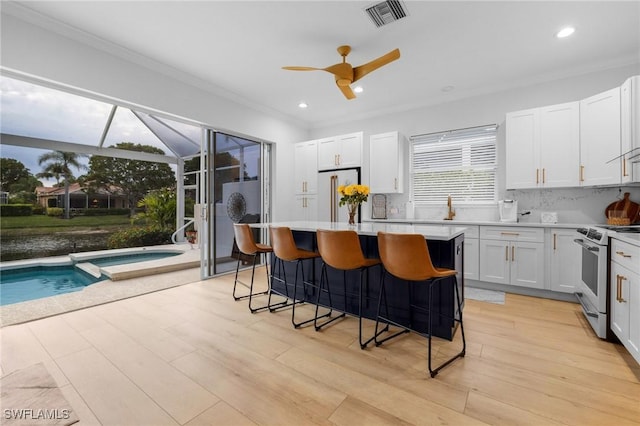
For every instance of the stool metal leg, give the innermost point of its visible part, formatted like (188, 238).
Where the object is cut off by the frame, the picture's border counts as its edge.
(251, 294)
(249, 286)
(461, 354)
(276, 306)
(324, 279)
(364, 344)
(383, 295)
(300, 263)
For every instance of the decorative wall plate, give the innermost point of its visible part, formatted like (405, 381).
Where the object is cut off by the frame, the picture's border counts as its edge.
(236, 207)
(379, 206)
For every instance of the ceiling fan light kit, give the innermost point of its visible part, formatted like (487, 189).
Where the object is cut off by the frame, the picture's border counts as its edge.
(345, 74)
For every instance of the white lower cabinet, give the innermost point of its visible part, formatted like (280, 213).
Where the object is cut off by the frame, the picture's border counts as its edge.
(306, 207)
(564, 255)
(512, 255)
(625, 295)
(472, 253)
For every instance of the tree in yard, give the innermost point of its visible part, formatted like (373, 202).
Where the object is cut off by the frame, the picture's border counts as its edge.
(131, 178)
(12, 172)
(57, 165)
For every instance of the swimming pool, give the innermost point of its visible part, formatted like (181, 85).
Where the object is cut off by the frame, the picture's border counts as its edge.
(19, 285)
(36, 282)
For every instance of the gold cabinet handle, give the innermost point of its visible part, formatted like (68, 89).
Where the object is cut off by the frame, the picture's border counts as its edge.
(619, 297)
(554, 241)
(624, 167)
(537, 176)
(506, 253)
(339, 159)
(543, 175)
(618, 288)
(623, 254)
(513, 253)
(510, 233)
(581, 173)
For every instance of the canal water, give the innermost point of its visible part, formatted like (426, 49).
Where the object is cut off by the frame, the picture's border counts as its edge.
(31, 246)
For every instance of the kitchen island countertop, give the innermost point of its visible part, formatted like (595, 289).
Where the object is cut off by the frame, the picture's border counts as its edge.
(430, 232)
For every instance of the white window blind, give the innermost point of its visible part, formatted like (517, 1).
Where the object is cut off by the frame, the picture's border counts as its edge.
(460, 163)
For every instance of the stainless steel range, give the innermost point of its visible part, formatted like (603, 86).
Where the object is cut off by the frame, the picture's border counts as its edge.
(592, 289)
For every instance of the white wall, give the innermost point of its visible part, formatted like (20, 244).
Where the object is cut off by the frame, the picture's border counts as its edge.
(44, 54)
(573, 205)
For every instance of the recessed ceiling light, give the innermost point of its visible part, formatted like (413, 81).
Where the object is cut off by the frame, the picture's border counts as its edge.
(447, 88)
(302, 105)
(358, 89)
(565, 32)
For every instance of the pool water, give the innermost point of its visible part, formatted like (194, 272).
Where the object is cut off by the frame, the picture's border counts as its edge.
(36, 282)
(19, 285)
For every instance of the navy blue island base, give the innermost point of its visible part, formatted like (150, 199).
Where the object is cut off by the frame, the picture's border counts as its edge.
(446, 249)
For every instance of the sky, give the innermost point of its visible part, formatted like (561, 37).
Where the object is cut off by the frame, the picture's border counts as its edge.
(40, 112)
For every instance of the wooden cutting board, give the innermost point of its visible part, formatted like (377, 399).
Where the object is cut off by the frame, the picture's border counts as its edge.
(630, 209)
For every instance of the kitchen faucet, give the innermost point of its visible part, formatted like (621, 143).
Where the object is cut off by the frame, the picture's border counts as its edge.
(451, 213)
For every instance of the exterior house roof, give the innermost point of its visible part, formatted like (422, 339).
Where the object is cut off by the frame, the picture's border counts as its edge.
(51, 191)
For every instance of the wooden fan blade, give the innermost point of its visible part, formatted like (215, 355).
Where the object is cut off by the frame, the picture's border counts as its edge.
(342, 71)
(347, 92)
(362, 70)
(302, 69)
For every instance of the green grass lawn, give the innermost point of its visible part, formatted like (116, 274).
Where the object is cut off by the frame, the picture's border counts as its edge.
(42, 224)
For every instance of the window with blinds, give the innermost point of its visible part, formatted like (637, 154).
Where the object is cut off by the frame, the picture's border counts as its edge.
(460, 163)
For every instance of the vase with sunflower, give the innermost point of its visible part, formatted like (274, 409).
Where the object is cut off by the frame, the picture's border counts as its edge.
(353, 195)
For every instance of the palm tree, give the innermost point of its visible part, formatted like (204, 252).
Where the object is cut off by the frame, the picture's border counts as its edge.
(58, 165)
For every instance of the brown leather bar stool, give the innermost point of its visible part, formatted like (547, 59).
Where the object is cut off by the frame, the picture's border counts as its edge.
(247, 245)
(406, 256)
(285, 249)
(341, 250)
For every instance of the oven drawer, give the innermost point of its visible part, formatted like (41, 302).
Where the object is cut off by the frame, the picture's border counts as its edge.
(625, 254)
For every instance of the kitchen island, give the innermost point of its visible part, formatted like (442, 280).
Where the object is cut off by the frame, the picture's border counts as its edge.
(445, 245)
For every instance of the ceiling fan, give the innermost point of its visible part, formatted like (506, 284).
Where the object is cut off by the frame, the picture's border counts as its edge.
(345, 74)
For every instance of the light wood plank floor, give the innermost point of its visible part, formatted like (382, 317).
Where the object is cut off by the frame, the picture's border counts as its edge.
(190, 355)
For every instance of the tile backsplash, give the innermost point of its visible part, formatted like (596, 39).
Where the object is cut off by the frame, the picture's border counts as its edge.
(573, 205)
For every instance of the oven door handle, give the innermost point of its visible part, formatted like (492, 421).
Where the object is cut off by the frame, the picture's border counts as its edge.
(587, 246)
(586, 306)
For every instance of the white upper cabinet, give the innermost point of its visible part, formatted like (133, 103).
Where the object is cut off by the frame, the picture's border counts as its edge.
(630, 129)
(522, 150)
(386, 163)
(560, 145)
(543, 147)
(305, 167)
(340, 152)
(600, 162)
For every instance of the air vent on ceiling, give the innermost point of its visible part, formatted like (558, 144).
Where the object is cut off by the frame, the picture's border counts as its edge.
(386, 12)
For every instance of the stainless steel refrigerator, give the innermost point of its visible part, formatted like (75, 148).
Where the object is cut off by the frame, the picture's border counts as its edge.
(328, 196)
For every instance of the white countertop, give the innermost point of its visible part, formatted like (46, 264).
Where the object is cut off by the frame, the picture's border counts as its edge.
(431, 232)
(479, 222)
(628, 238)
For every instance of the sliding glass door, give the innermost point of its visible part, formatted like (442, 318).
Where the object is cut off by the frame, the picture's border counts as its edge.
(236, 191)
